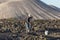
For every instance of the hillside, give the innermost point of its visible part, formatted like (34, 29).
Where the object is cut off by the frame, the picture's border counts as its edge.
(20, 9)
(12, 27)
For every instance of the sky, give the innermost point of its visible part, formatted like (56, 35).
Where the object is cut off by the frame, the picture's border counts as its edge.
(52, 2)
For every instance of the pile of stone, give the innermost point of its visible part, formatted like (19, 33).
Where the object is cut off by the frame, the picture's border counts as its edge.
(17, 28)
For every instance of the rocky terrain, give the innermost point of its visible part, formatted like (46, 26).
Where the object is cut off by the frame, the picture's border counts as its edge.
(14, 29)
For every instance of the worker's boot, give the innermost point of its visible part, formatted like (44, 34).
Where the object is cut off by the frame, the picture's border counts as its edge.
(27, 30)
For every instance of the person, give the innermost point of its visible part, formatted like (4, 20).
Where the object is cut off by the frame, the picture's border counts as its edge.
(28, 24)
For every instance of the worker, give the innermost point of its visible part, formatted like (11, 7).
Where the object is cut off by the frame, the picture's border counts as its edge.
(28, 24)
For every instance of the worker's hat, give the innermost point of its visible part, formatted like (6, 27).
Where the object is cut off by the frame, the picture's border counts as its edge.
(29, 15)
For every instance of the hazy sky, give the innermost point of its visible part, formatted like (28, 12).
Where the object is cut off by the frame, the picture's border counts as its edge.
(52, 2)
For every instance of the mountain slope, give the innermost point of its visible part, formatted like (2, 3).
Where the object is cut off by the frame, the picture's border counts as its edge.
(20, 9)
